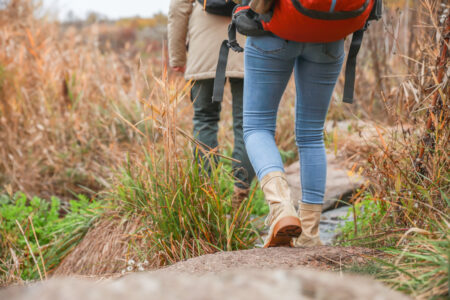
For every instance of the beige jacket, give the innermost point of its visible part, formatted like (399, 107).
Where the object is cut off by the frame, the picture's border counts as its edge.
(203, 33)
(261, 6)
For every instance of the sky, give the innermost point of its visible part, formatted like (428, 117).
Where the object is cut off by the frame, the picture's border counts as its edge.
(113, 9)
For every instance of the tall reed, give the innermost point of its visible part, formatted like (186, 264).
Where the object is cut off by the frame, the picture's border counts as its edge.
(184, 207)
(405, 206)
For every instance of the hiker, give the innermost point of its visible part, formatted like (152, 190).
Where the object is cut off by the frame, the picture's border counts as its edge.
(269, 64)
(307, 37)
(195, 36)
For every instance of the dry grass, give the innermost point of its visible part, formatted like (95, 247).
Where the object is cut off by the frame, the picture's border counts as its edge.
(61, 91)
(65, 105)
(179, 210)
(60, 98)
(73, 110)
(406, 204)
(73, 107)
(410, 168)
(105, 250)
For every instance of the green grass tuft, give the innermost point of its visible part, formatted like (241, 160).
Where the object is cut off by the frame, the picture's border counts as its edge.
(46, 238)
(187, 211)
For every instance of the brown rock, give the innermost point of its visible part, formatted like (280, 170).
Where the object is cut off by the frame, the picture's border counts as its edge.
(266, 284)
(339, 182)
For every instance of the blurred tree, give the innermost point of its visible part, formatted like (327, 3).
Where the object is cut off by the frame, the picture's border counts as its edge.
(156, 20)
(70, 16)
(160, 19)
(92, 17)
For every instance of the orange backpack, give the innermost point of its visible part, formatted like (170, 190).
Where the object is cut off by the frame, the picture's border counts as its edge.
(315, 21)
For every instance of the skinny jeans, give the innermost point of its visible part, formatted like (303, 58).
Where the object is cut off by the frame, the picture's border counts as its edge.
(269, 62)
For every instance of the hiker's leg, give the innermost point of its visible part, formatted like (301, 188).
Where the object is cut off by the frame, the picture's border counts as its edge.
(242, 170)
(206, 116)
(267, 73)
(316, 73)
(268, 67)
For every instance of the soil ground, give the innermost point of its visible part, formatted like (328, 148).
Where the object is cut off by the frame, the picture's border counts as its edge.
(256, 274)
(321, 258)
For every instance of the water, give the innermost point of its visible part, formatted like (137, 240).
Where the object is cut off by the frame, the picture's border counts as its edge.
(330, 222)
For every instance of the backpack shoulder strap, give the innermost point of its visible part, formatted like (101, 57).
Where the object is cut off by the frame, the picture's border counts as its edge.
(219, 80)
(350, 69)
(246, 22)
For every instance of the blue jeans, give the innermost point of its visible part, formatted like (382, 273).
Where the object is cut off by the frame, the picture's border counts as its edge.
(269, 61)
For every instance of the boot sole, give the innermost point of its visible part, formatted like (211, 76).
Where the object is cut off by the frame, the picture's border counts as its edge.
(284, 231)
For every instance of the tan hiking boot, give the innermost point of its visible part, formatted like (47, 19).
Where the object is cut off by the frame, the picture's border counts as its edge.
(239, 195)
(282, 219)
(310, 216)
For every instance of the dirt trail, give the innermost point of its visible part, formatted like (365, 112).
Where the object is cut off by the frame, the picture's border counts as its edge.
(257, 274)
(321, 258)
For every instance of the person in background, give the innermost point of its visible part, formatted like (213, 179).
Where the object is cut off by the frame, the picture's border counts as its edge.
(195, 37)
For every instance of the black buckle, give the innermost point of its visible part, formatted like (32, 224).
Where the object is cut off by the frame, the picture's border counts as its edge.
(234, 45)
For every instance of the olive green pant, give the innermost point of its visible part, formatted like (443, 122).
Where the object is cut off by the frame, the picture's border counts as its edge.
(206, 125)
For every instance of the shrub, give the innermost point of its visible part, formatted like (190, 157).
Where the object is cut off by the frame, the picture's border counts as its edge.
(405, 207)
(185, 210)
